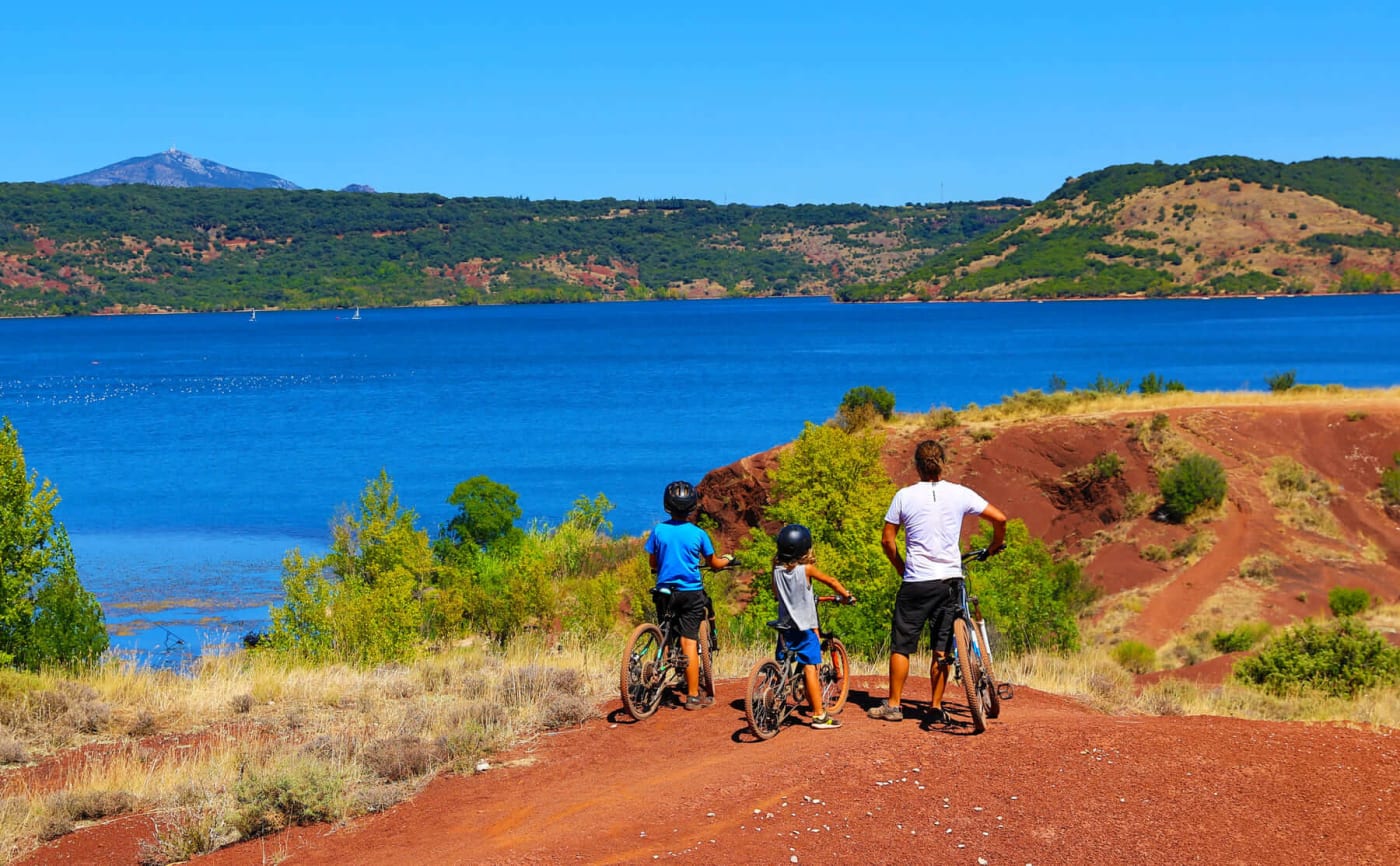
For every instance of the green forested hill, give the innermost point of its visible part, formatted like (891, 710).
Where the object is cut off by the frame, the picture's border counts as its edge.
(72, 249)
(1218, 225)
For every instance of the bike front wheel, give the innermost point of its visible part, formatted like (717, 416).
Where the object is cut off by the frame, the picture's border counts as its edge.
(765, 703)
(642, 681)
(835, 677)
(989, 681)
(968, 673)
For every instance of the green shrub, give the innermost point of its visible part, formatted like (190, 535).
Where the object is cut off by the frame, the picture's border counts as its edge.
(1135, 656)
(942, 418)
(1345, 601)
(1106, 465)
(880, 399)
(1156, 553)
(1196, 481)
(1279, 382)
(296, 790)
(1195, 544)
(362, 602)
(1259, 569)
(1342, 659)
(1390, 484)
(1104, 385)
(1240, 638)
(1151, 384)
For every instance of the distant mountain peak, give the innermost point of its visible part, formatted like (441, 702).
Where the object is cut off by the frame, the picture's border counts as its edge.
(176, 168)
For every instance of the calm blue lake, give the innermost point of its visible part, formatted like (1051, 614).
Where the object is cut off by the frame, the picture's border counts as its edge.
(192, 451)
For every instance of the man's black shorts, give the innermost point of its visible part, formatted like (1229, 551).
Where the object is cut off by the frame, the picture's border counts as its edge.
(932, 602)
(689, 606)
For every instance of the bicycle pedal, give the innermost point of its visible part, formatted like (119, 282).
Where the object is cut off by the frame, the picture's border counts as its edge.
(1005, 691)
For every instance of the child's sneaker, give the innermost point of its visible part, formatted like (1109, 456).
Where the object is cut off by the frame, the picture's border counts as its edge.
(825, 722)
(886, 713)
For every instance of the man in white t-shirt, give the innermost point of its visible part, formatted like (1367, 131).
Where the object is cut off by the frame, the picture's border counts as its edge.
(931, 513)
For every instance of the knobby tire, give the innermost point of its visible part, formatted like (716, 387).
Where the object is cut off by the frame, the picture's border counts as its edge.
(642, 682)
(989, 680)
(967, 671)
(765, 705)
(704, 647)
(835, 677)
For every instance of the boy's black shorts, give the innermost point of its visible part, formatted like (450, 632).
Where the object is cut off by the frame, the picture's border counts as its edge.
(935, 602)
(689, 605)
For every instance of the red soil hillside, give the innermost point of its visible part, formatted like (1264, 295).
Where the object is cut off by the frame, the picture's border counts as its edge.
(1290, 554)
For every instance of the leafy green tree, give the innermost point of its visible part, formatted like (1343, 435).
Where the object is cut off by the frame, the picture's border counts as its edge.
(855, 403)
(46, 616)
(1196, 481)
(835, 484)
(486, 514)
(362, 602)
(1031, 600)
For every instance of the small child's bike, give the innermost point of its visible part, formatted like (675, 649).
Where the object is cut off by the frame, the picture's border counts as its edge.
(653, 661)
(777, 689)
(972, 656)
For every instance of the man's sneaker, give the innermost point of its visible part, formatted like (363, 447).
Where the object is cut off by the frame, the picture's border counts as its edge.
(825, 722)
(938, 715)
(886, 713)
(698, 702)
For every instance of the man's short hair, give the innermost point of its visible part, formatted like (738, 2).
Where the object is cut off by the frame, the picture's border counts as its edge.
(929, 459)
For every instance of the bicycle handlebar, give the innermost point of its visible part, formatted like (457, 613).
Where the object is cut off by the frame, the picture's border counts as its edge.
(981, 554)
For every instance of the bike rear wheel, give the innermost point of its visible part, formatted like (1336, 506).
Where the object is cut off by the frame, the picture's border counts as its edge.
(643, 681)
(834, 676)
(765, 704)
(968, 672)
(989, 680)
(705, 649)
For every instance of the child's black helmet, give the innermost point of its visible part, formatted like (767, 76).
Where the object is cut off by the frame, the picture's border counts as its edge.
(794, 540)
(680, 498)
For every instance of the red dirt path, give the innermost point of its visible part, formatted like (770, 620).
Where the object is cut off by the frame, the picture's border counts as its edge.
(1050, 782)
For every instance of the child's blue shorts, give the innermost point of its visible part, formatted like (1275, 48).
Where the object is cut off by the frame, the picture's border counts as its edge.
(804, 643)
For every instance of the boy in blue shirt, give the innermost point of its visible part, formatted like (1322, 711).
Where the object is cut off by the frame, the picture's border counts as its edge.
(677, 548)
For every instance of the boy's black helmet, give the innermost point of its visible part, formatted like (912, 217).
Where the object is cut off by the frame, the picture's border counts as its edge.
(680, 498)
(794, 540)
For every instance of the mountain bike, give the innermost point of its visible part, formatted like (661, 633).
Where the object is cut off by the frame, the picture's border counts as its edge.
(972, 656)
(653, 661)
(777, 688)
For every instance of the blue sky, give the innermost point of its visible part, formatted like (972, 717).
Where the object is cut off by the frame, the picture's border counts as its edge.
(758, 102)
